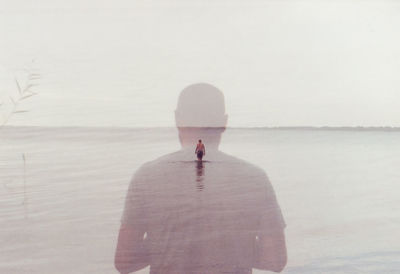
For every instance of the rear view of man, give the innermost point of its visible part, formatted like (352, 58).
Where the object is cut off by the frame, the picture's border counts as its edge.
(200, 150)
(219, 216)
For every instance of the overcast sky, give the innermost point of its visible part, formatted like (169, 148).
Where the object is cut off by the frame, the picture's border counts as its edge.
(279, 63)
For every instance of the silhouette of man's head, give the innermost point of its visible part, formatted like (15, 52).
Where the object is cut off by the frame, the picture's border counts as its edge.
(201, 105)
(200, 113)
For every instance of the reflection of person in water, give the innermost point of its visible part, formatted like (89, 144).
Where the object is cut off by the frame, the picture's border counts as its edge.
(200, 150)
(179, 219)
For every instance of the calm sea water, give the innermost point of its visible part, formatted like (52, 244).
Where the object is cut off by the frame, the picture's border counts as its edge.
(62, 193)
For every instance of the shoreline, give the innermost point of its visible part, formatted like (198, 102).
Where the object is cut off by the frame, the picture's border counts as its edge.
(288, 128)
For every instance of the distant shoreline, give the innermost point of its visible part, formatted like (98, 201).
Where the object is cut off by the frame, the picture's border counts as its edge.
(308, 128)
(331, 128)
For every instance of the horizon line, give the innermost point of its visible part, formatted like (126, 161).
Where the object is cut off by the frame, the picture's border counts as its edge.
(354, 128)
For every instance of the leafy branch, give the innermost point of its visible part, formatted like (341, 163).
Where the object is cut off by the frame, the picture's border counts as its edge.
(24, 92)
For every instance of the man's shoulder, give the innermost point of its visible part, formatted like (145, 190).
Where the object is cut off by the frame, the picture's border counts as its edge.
(241, 163)
(155, 164)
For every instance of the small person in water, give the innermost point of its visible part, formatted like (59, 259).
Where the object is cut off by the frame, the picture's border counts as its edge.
(200, 150)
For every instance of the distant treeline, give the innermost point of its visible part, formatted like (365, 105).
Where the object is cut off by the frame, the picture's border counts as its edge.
(116, 128)
(327, 128)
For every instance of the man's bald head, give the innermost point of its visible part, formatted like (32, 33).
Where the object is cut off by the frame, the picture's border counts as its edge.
(201, 105)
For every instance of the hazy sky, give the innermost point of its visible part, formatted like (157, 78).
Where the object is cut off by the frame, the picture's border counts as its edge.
(279, 63)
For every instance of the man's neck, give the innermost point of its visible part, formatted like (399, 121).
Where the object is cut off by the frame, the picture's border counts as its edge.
(210, 137)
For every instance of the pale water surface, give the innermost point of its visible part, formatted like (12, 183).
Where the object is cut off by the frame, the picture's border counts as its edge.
(338, 192)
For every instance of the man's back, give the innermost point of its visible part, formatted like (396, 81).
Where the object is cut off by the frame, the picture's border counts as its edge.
(202, 217)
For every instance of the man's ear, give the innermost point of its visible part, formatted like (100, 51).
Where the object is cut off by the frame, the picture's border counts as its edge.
(225, 119)
(176, 118)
